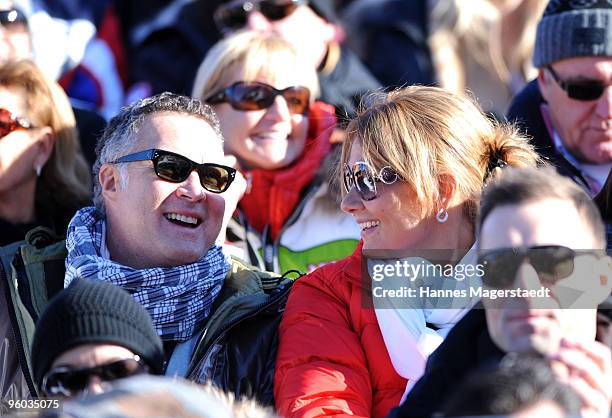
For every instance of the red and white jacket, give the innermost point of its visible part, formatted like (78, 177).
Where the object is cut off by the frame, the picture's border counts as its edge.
(332, 358)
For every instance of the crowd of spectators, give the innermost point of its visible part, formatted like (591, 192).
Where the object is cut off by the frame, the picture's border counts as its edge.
(195, 194)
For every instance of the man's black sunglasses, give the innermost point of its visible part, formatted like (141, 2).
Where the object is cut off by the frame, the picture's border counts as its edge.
(584, 90)
(175, 168)
(64, 381)
(12, 18)
(551, 262)
(233, 15)
(256, 96)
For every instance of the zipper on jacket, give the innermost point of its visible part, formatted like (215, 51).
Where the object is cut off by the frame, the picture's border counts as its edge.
(21, 355)
(221, 333)
(23, 285)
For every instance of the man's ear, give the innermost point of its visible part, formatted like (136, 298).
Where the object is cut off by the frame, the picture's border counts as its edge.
(109, 181)
(44, 146)
(543, 83)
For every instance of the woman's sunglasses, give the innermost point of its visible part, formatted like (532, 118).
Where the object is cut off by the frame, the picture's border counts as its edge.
(10, 123)
(362, 178)
(64, 381)
(584, 90)
(551, 262)
(257, 96)
(13, 18)
(175, 168)
(234, 14)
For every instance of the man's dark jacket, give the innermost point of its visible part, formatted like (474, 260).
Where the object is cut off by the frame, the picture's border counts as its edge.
(467, 348)
(237, 352)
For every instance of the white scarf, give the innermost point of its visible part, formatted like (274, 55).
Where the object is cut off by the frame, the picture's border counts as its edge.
(408, 339)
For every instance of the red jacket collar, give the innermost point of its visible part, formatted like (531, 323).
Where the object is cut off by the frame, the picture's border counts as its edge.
(275, 193)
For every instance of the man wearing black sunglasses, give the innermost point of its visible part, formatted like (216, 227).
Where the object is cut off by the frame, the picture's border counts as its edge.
(163, 192)
(311, 27)
(568, 109)
(537, 230)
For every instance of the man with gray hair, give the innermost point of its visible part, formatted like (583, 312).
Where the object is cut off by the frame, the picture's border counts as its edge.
(162, 194)
(568, 109)
(159, 207)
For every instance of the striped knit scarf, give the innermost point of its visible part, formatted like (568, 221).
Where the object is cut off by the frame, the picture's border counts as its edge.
(179, 299)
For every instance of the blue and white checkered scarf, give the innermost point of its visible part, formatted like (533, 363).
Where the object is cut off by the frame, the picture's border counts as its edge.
(179, 299)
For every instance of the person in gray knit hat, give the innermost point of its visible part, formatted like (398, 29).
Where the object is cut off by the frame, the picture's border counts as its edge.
(568, 109)
(91, 333)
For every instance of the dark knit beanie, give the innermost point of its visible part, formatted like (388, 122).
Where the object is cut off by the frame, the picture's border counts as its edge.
(573, 28)
(94, 311)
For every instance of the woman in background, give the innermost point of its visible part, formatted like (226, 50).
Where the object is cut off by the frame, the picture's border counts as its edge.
(413, 165)
(263, 95)
(44, 178)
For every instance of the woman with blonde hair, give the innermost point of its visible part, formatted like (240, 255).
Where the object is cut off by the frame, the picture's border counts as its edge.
(414, 164)
(263, 94)
(44, 178)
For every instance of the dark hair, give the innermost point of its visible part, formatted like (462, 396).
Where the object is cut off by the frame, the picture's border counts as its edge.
(94, 312)
(520, 381)
(520, 186)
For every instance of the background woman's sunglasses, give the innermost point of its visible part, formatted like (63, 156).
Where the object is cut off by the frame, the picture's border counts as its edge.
(13, 19)
(64, 381)
(257, 96)
(10, 123)
(584, 90)
(362, 178)
(175, 168)
(234, 14)
(552, 263)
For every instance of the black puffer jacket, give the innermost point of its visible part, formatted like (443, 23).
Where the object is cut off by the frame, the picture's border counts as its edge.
(238, 349)
(467, 348)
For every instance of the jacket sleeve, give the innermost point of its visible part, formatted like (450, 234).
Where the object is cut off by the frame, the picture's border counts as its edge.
(321, 366)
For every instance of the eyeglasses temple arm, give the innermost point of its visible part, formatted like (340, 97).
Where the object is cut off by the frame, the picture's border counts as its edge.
(137, 156)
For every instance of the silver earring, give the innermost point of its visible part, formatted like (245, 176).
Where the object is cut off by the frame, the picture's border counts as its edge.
(37, 170)
(442, 215)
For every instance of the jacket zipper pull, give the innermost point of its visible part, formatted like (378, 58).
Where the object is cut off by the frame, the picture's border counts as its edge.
(268, 249)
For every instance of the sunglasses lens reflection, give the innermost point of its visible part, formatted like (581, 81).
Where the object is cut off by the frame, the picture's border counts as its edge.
(172, 168)
(585, 91)
(176, 169)
(252, 96)
(214, 179)
(365, 182)
(274, 11)
(552, 263)
(246, 96)
(7, 123)
(71, 382)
